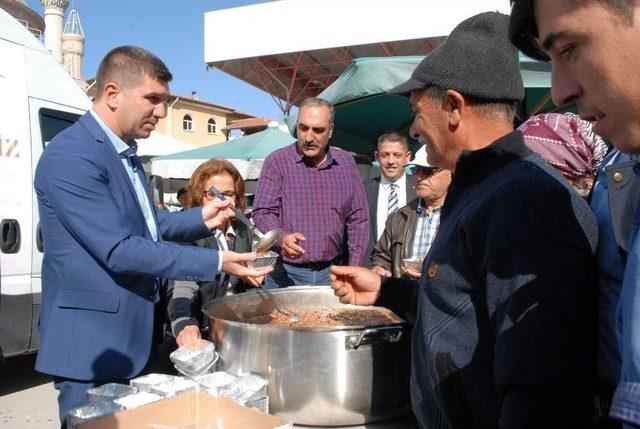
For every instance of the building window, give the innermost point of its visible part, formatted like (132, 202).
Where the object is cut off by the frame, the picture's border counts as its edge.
(187, 123)
(211, 126)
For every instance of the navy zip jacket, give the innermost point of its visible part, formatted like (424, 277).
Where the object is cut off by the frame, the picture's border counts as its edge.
(505, 327)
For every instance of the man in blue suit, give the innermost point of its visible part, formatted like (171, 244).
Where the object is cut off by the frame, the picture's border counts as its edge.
(105, 249)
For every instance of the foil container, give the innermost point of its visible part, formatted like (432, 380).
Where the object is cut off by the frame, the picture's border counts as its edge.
(108, 392)
(246, 387)
(196, 362)
(193, 372)
(136, 400)
(175, 387)
(261, 404)
(89, 412)
(264, 259)
(146, 382)
(214, 383)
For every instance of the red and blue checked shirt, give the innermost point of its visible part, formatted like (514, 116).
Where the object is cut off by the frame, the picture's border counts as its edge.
(327, 204)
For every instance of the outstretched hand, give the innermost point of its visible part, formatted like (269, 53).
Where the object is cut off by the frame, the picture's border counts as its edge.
(234, 263)
(355, 285)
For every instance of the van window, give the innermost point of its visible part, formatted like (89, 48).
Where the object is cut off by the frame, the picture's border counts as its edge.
(54, 121)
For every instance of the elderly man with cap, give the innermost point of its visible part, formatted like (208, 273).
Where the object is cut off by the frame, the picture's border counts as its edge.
(504, 313)
(409, 232)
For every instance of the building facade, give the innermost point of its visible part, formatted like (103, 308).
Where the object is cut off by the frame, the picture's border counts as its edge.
(196, 122)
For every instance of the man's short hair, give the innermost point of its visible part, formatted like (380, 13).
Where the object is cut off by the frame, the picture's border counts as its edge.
(313, 101)
(396, 137)
(500, 110)
(127, 66)
(523, 30)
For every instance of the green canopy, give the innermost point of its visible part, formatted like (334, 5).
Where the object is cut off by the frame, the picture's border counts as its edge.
(364, 110)
(246, 153)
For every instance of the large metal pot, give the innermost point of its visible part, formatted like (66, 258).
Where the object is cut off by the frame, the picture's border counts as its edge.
(334, 376)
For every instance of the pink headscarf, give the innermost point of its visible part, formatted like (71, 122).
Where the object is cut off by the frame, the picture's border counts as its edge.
(566, 142)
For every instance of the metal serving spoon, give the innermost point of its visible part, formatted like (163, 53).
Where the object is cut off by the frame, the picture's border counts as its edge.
(265, 241)
(282, 308)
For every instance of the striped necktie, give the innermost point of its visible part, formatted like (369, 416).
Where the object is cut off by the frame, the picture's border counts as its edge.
(392, 202)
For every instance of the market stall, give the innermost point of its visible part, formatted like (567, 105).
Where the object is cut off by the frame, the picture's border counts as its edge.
(247, 154)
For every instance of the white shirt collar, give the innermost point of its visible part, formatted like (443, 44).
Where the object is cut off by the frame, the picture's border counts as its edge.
(229, 234)
(386, 182)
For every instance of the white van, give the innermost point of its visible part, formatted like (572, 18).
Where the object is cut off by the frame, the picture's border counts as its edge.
(38, 99)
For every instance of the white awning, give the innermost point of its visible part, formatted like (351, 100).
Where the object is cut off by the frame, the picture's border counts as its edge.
(303, 25)
(294, 49)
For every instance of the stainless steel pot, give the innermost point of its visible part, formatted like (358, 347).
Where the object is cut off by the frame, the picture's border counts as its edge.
(334, 376)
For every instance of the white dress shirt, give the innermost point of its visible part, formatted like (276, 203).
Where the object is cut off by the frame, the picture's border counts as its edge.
(223, 240)
(383, 200)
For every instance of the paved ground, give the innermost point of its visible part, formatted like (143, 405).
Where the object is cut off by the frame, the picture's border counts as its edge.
(27, 398)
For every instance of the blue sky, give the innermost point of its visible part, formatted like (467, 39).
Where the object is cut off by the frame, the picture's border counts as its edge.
(173, 30)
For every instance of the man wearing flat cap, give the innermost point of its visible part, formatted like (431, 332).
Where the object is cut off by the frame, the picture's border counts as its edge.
(504, 314)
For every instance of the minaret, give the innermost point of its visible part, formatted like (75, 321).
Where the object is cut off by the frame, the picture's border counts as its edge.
(53, 19)
(73, 45)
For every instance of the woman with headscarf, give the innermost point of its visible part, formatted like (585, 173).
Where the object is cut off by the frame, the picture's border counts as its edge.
(568, 143)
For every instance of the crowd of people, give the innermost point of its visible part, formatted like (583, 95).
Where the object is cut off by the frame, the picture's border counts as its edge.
(524, 312)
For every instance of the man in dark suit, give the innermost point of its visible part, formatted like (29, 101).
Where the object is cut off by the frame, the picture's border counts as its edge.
(104, 241)
(392, 190)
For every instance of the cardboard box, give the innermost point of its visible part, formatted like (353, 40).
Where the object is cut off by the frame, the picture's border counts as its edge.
(193, 410)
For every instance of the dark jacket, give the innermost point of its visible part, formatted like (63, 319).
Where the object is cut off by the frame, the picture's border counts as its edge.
(623, 185)
(372, 188)
(396, 241)
(506, 330)
(188, 298)
(616, 193)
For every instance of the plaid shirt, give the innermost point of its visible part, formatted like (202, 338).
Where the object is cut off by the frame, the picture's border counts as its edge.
(326, 204)
(426, 229)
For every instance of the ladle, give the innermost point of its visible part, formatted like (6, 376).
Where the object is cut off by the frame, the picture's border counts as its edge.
(265, 241)
(282, 308)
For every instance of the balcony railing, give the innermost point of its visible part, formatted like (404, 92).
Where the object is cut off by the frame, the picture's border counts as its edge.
(36, 32)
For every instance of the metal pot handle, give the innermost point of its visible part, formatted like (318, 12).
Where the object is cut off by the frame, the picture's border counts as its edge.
(391, 334)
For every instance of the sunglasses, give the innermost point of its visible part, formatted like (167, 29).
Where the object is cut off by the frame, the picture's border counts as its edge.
(427, 171)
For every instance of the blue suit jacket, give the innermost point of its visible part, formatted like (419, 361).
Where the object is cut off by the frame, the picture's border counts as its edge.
(100, 264)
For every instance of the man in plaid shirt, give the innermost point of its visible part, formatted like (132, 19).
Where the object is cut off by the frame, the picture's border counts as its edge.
(314, 194)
